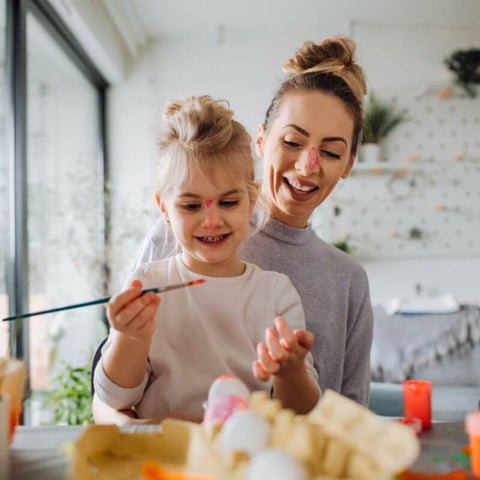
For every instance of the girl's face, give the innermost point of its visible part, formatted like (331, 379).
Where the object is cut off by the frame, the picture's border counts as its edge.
(305, 151)
(210, 221)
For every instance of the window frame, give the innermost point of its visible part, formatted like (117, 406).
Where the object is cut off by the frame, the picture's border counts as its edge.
(16, 146)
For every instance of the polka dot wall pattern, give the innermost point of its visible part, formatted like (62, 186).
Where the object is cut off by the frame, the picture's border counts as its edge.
(423, 199)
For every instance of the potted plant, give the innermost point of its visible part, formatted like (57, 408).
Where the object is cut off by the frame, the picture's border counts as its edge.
(380, 119)
(70, 396)
(465, 64)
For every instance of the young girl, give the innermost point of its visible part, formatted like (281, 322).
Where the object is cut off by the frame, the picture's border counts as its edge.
(163, 354)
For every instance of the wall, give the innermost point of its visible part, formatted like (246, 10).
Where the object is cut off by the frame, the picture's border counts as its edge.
(245, 68)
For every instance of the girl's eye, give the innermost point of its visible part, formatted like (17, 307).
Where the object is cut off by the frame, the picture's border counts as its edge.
(190, 207)
(228, 203)
(330, 154)
(290, 144)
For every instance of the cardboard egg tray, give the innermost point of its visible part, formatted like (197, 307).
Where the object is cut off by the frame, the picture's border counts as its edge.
(338, 439)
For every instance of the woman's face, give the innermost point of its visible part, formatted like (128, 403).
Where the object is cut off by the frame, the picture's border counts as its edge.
(306, 151)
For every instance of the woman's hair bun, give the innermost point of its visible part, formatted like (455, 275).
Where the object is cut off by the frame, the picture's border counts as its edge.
(335, 55)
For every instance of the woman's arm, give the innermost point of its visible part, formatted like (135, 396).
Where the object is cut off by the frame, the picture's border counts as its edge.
(356, 367)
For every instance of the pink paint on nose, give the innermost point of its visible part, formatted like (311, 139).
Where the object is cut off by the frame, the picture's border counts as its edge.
(313, 160)
(208, 202)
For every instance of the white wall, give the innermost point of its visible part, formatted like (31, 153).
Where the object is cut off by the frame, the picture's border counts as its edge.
(246, 68)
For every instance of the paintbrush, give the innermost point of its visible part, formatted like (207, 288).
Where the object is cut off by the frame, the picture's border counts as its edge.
(104, 300)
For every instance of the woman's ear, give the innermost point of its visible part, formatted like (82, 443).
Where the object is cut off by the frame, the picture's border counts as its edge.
(349, 166)
(259, 140)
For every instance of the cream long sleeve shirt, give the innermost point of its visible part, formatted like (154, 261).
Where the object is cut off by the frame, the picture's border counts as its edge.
(203, 332)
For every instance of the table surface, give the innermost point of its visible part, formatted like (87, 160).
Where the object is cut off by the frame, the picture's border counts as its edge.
(36, 452)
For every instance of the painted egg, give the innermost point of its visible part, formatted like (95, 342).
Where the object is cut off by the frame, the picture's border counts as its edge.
(228, 385)
(220, 409)
(273, 464)
(245, 431)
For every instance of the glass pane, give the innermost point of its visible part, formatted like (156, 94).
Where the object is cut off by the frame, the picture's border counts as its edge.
(65, 209)
(3, 192)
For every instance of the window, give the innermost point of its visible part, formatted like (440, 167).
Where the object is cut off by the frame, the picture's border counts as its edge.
(3, 194)
(55, 141)
(65, 207)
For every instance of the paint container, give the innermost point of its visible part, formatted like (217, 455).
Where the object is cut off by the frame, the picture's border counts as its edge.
(472, 426)
(417, 401)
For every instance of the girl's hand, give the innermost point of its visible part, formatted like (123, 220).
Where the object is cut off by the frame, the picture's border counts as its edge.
(133, 314)
(284, 351)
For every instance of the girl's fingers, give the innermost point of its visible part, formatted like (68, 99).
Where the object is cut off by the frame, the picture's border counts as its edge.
(268, 363)
(129, 313)
(146, 317)
(275, 349)
(305, 338)
(119, 301)
(259, 372)
(288, 339)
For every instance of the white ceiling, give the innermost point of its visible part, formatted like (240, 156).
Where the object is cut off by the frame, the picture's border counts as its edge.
(161, 18)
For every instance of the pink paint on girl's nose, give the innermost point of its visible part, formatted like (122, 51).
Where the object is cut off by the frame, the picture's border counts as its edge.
(208, 202)
(313, 160)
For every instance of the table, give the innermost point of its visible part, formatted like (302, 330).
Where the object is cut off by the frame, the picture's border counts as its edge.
(37, 453)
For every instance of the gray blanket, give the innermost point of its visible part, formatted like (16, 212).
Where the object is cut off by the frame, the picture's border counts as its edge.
(404, 344)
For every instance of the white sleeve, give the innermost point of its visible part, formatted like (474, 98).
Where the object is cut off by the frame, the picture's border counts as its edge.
(291, 309)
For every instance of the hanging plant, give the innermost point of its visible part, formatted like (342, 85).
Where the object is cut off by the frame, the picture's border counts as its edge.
(465, 64)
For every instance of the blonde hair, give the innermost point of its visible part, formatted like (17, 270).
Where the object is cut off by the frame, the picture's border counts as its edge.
(200, 132)
(329, 67)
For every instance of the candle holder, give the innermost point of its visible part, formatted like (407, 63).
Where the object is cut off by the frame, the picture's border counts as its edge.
(417, 401)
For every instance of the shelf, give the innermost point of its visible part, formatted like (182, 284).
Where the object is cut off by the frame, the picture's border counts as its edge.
(403, 167)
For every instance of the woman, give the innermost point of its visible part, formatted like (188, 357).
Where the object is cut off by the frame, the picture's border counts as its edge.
(308, 142)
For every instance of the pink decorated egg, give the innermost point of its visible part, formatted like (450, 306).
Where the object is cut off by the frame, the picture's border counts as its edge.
(228, 385)
(221, 408)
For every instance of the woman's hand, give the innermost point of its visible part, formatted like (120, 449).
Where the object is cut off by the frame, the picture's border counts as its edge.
(133, 314)
(283, 353)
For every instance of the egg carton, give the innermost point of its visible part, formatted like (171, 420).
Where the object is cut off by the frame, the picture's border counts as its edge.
(340, 438)
(177, 450)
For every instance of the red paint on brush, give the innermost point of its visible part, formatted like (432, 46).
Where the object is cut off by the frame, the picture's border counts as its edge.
(197, 282)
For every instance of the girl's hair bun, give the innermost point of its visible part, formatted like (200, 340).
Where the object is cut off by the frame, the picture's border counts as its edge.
(199, 122)
(336, 56)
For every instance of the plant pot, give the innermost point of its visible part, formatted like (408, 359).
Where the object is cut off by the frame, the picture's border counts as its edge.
(370, 153)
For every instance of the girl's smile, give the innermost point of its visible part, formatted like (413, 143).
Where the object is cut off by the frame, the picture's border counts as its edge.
(209, 218)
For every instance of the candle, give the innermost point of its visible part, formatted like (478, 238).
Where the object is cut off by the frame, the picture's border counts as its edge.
(472, 426)
(417, 401)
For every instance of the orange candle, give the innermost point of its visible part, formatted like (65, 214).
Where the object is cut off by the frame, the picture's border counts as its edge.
(472, 426)
(417, 401)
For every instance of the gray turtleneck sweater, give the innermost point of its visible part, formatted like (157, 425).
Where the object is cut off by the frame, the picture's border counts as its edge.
(334, 292)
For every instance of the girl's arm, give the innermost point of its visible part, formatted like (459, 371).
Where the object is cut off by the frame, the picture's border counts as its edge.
(282, 356)
(132, 316)
(103, 414)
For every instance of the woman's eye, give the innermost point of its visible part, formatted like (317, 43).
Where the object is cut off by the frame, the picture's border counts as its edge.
(190, 207)
(330, 154)
(228, 203)
(291, 144)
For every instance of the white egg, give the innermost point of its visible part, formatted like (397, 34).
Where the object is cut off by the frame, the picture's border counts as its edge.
(245, 431)
(228, 385)
(273, 464)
